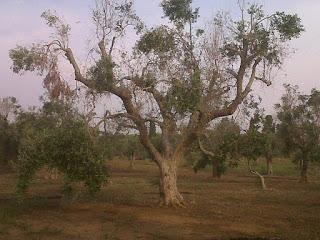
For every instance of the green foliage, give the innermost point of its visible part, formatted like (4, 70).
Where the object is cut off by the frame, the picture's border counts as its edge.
(260, 39)
(270, 139)
(159, 40)
(60, 141)
(223, 142)
(299, 125)
(180, 11)
(289, 26)
(102, 74)
(260, 139)
(9, 108)
(28, 59)
(8, 146)
(252, 145)
(185, 96)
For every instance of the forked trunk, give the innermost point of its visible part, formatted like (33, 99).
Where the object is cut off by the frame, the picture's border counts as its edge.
(169, 194)
(263, 185)
(304, 171)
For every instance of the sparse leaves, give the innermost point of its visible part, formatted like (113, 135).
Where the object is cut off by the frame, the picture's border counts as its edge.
(62, 30)
(112, 18)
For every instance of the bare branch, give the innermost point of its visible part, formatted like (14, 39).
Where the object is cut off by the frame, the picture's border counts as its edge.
(205, 151)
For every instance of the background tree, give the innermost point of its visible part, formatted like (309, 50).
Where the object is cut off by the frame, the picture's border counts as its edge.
(252, 145)
(9, 108)
(269, 135)
(299, 126)
(221, 147)
(173, 77)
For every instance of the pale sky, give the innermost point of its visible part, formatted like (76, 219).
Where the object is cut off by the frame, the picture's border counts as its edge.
(21, 24)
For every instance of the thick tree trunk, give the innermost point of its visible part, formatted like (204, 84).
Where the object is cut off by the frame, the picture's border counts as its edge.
(269, 165)
(169, 194)
(304, 171)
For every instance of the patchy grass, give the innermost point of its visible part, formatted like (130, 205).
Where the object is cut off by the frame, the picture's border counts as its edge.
(233, 207)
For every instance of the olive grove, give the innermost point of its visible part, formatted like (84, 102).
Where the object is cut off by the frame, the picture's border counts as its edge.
(177, 77)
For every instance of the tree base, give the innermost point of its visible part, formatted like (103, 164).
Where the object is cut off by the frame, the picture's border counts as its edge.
(175, 202)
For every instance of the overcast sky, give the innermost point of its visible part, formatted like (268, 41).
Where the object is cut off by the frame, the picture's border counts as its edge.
(21, 24)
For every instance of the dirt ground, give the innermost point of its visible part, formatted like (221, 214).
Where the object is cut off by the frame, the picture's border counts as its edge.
(231, 208)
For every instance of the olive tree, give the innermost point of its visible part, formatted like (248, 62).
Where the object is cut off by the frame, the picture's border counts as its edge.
(299, 126)
(9, 108)
(176, 76)
(222, 146)
(252, 145)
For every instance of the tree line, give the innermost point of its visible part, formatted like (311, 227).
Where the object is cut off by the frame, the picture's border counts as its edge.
(58, 137)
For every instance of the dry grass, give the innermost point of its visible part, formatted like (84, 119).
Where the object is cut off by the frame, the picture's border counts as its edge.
(231, 208)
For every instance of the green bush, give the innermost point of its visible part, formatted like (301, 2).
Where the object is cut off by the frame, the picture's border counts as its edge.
(62, 142)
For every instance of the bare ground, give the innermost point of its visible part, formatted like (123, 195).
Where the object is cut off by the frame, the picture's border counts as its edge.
(231, 208)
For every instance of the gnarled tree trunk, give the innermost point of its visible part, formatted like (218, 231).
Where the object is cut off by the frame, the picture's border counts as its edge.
(169, 194)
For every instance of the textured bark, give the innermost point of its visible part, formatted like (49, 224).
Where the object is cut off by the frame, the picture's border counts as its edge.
(169, 194)
(304, 171)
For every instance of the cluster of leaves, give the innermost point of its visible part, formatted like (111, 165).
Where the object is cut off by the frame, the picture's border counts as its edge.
(180, 11)
(261, 38)
(159, 40)
(31, 59)
(253, 141)
(59, 138)
(102, 74)
(38, 58)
